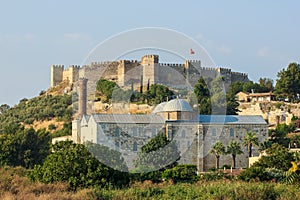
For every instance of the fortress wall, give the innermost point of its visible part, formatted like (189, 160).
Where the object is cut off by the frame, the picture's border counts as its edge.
(241, 77)
(129, 72)
(133, 74)
(171, 76)
(56, 75)
(126, 73)
(95, 71)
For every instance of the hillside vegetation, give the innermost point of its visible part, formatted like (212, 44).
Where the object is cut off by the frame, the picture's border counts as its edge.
(44, 108)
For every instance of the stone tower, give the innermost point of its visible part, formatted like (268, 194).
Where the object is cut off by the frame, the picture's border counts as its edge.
(82, 97)
(56, 75)
(150, 69)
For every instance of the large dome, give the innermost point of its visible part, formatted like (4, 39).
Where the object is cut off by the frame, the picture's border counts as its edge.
(159, 107)
(177, 105)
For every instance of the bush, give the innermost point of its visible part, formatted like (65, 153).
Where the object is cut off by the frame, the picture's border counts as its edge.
(51, 127)
(181, 173)
(254, 173)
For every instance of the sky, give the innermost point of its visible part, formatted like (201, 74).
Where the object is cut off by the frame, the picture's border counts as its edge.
(252, 36)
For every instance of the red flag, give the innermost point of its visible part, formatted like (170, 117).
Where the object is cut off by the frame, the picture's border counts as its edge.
(192, 52)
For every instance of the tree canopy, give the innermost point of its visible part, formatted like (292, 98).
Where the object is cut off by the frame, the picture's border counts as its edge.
(105, 88)
(24, 147)
(288, 82)
(158, 153)
(277, 157)
(234, 149)
(74, 164)
(158, 93)
(217, 150)
(250, 139)
(212, 97)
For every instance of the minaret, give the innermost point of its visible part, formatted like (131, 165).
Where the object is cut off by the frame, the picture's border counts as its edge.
(82, 97)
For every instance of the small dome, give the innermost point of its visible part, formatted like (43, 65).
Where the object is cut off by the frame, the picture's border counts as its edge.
(159, 107)
(177, 105)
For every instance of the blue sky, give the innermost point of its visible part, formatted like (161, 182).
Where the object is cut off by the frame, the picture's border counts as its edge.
(256, 37)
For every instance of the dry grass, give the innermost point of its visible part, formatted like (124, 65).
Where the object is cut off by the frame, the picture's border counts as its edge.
(14, 185)
(44, 124)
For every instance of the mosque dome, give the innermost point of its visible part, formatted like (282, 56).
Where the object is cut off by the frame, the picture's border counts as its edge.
(159, 107)
(177, 105)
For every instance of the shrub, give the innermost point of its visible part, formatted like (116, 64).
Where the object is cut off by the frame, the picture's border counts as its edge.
(181, 173)
(51, 127)
(254, 173)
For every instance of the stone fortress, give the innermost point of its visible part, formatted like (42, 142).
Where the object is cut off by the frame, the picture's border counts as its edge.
(133, 73)
(127, 133)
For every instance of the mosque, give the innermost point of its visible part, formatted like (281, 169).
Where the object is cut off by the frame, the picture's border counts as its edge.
(194, 133)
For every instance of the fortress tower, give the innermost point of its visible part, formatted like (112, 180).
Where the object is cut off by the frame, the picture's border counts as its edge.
(60, 74)
(150, 69)
(56, 75)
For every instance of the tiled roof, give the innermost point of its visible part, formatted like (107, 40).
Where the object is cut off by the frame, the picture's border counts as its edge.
(156, 119)
(260, 94)
(128, 118)
(231, 119)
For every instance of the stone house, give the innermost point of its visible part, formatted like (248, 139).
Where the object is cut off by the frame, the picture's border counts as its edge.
(261, 97)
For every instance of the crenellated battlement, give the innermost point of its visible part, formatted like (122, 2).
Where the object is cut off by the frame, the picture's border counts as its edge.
(58, 66)
(172, 64)
(147, 69)
(194, 61)
(74, 67)
(101, 63)
(128, 61)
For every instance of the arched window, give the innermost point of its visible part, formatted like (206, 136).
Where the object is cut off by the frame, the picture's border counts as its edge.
(135, 147)
(188, 144)
(117, 132)
(135, 132)
(183, 134)
(214, 132)
(232, 132)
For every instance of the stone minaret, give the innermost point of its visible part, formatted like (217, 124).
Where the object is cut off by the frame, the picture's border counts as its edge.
(82, 97)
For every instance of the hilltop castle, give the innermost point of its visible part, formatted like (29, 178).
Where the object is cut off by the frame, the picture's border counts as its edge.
(148, 70)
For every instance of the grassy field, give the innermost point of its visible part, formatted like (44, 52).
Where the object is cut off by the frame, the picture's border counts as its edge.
(15, 185)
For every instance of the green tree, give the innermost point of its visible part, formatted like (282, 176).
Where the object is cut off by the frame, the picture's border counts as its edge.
(107, 156)
(218, 96)
(212, 97)
(232, 105)
(26, 147)
(158, 93)
(234, 88)
(234, 149)
(105, 88)
(202, 93)
(288, 82)
(218, 149)
(4, 107)
(158, 153)
(266, 83)
(181, 173)
(250, 139)
(277, 157)
(74, 164)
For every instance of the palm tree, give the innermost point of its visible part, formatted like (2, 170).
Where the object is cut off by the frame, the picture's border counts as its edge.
(217, 149)
(250, 139)
(234, 149)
